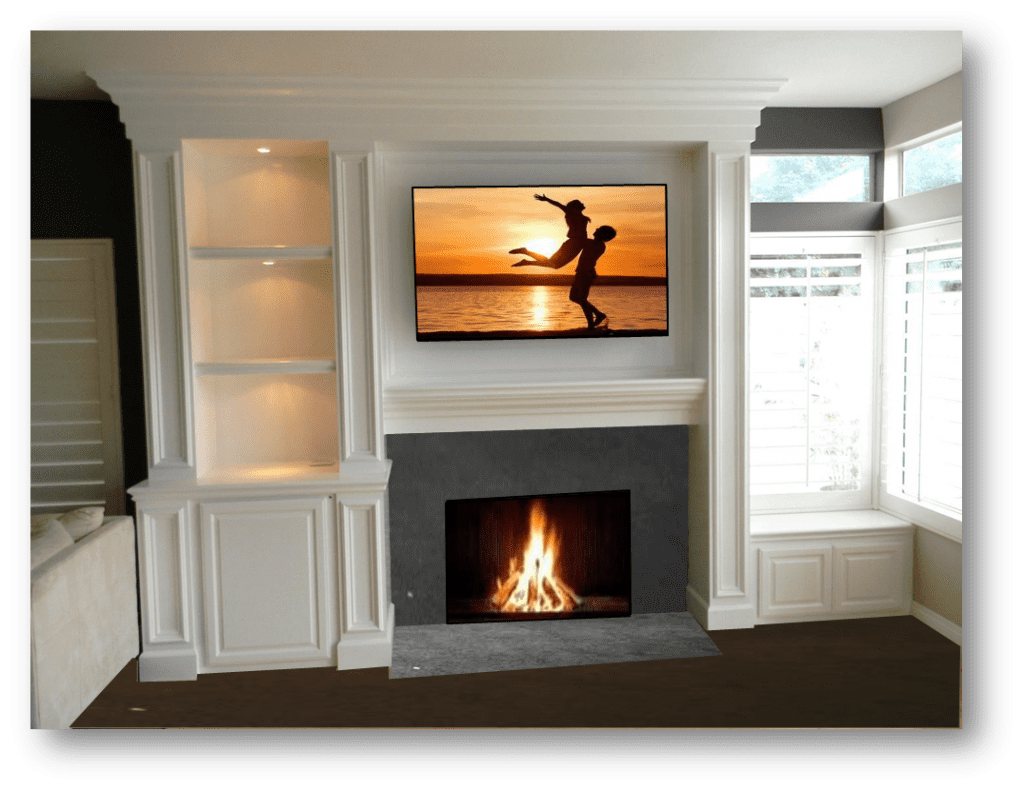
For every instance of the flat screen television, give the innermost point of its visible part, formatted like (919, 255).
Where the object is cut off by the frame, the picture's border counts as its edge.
(583, 261)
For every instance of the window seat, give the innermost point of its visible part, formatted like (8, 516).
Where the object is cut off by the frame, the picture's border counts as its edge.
(824, 522)
(828, 565)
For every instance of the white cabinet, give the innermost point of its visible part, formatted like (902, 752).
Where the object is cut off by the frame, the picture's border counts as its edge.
(795, 581)
(268, 582)
(805, 576)
(873, 577)
(262, 527)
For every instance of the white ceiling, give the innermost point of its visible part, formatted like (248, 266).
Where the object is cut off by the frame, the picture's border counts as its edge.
(830, 68)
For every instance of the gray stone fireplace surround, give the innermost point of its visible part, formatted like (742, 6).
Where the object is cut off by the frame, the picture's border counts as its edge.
(428, 469)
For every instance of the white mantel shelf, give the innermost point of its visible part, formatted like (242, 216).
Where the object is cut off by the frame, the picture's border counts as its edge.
(421, 408)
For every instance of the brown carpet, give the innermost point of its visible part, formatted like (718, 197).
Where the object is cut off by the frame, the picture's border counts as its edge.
(870, 673)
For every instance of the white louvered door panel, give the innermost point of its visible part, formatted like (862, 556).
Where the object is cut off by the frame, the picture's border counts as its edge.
(75, 395)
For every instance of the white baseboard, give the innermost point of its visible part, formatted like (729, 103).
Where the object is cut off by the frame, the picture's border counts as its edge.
(374, 650)
(172, 665)
(943, 626)
(719, 616)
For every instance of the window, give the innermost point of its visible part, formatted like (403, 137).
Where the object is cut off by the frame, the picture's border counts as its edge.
(803, 179)
(923, 338)
(933, 165)
(811, 385)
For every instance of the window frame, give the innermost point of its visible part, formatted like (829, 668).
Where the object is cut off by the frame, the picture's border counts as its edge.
(931, 517)
(873, 157)
(867, 497)
(893, 164)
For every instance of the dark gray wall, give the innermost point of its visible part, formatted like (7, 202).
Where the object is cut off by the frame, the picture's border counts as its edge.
(82, 189)
(820, 130)
(428, 469)
(836, 130)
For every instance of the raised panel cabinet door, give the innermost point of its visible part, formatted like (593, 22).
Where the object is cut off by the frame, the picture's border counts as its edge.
(267, 584)
(795, 582)
(872, 578)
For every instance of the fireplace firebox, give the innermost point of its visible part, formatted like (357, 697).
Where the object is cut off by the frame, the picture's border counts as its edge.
(536, 557)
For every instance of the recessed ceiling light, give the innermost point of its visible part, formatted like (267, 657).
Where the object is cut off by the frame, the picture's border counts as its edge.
(263, 150)
(269, 263)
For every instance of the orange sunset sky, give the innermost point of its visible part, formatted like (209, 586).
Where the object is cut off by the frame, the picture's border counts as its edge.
(470, 230)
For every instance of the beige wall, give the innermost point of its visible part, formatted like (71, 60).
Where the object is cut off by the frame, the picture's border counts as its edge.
(938, 561)
(933, 108)
(938, 574)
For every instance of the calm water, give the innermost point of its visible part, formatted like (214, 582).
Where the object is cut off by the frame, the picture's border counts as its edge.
(489, 308)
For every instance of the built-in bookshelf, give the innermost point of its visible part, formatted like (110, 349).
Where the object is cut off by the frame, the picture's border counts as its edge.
(261, 303)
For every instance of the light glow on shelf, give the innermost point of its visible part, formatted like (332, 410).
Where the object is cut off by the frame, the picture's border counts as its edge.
(263, 150)
(269, 263)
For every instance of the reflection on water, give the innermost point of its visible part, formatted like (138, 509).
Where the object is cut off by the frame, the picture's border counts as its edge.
(546, 308)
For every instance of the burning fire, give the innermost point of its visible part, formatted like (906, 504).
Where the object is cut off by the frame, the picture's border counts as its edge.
(534, 586)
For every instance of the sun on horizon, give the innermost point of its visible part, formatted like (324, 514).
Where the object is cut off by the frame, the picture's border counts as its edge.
(545, 246)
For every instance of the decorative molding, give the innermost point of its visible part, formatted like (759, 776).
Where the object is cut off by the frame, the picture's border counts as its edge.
(361, 566)
(165, 580)
(943, 626)
(439, 109)
(361, 431)
(165, 353)
(729, 222)
(465, 407)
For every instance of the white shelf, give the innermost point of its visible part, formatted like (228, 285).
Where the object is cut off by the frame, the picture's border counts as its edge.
(258, 366)
(284, 252)
(296, 471)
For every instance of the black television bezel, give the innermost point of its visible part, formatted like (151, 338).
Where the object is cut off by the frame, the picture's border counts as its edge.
(453, 336)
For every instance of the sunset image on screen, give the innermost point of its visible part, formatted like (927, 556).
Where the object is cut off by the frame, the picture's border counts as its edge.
(525, 262)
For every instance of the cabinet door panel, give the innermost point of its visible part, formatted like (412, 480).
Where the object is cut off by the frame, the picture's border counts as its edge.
(871, 578)
(795, 582)
(267, 591)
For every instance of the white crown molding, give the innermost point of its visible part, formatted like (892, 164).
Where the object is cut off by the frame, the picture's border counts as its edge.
(155, 106)
(424, 92)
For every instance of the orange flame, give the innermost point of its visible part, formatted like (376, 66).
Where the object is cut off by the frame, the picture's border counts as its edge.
(534, 586)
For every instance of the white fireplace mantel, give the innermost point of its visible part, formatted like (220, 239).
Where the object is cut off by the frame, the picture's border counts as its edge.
(381, 133)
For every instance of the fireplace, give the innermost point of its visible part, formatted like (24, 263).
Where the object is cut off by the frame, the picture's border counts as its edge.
(548, 556)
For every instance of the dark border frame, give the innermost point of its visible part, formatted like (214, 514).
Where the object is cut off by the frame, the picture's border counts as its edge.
(499, 335)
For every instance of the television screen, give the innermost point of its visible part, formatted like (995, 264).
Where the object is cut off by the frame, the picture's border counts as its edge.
(540, 262)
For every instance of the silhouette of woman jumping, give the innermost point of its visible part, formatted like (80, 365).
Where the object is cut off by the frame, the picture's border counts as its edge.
(576, 236)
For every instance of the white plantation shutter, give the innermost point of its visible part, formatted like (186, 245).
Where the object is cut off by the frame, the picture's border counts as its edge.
(923, 419)
(811, 347)
(76, 418)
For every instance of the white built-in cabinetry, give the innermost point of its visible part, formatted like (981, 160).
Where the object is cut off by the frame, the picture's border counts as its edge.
(262, 544)
(262, 525)
(814, 567)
